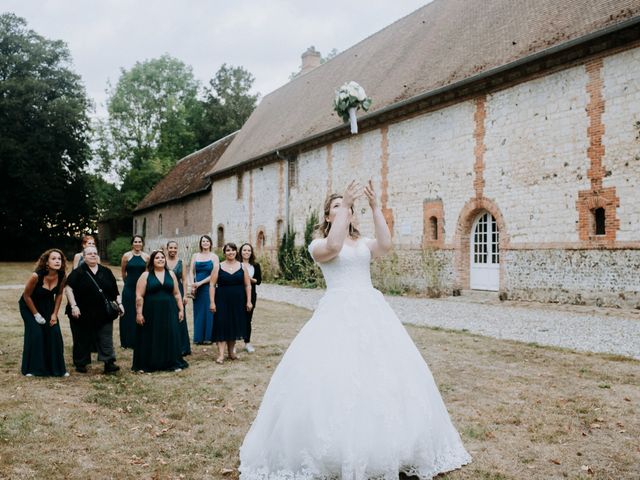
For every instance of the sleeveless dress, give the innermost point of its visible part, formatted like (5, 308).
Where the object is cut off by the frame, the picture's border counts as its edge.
(43, 352)
(157, 344)
(231, 302)
(202, 316)
(135, 267)
(185, 344)
(338, 406)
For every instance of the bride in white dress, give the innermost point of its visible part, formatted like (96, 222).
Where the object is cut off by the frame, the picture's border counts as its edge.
(352, 398)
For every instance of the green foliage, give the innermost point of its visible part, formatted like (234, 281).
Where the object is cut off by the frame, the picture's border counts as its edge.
(227, 105)
(287, 255)
(149, 127)
(432, 265)
(268, 267)
(44, 148)
(156, 118)
(117, 248)
(386, 275)
(296, 265)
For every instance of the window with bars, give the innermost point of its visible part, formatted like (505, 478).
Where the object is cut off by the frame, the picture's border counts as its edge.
(160, 224)
(293, 172)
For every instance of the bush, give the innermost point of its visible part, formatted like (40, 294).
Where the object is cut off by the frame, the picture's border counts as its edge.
(117, 248)
(296, 265)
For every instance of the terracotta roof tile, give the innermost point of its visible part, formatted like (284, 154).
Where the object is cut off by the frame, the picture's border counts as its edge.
(439, 44)
(188, 176)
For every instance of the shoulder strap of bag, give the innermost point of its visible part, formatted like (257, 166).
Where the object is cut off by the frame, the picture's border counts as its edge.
(98, 286)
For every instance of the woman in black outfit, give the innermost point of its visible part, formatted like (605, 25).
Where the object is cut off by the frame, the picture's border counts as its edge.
(249, 263)
(90, 322)
(230, 300)
(43, 353)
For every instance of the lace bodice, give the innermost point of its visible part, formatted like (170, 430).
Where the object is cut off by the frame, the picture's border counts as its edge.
(350, 269)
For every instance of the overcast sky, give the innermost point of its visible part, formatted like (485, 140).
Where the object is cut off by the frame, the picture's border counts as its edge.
(266, 37)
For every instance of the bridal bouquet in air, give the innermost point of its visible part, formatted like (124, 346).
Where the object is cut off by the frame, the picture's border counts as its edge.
(349, 98)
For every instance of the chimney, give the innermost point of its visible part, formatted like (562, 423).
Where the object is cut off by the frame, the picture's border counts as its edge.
(310, 60)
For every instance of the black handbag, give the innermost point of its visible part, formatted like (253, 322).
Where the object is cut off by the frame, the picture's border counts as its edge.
(112, 309)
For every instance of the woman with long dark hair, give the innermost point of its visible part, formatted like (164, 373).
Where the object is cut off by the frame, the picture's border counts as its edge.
(230, 298)
(159, 310)
(43, 352)
(249, 264)
(176, 265)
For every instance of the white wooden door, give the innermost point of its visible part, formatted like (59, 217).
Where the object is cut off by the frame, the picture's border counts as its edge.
(485, 253)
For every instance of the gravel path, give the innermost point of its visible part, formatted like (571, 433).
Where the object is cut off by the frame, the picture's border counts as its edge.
(579, 328)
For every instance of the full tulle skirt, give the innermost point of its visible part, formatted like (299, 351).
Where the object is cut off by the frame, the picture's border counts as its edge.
(352, 398)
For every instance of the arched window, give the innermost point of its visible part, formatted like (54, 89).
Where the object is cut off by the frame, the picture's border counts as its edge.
(135, 226)
(599, 221)
(160, 224)
(220, 239)
(260, 242)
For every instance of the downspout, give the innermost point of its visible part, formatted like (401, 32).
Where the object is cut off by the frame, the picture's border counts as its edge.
(286, 189)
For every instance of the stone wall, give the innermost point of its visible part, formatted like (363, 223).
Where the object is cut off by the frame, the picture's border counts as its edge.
(181, 221)
(543, 153)
(595, 277)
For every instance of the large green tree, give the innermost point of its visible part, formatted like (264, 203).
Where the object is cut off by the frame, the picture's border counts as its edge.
(149, 124)
(44, 145)
(227, 104)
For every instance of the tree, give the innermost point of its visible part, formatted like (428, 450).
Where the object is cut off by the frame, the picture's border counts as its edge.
(149, 127)
(227, 106)
(44, 149)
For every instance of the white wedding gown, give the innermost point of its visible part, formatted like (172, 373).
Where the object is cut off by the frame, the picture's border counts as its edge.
(352, 397)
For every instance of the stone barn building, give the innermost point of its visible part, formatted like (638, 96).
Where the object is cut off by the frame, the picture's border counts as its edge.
(504, 142)
(179, 206)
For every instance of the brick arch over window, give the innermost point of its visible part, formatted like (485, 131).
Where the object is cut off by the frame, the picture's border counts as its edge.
(462, 238)
(590, 201)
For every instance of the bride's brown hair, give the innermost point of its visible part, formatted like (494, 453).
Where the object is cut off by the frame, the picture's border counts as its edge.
(324, 226)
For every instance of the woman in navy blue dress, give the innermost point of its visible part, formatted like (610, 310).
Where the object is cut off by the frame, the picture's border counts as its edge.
(133, 263)
(174, 263)
(43, 352)
(202, 264)
(230, 291)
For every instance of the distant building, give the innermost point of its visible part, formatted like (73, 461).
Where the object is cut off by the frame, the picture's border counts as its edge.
(179, 207)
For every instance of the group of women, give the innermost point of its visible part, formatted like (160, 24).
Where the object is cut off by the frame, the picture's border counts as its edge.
(346, 412)
(157, 289)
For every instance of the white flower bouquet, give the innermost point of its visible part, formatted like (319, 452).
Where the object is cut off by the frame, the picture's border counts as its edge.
(349, 98)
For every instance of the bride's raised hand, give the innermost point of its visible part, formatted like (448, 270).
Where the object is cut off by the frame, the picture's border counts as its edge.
(353, 191)
(371, 195)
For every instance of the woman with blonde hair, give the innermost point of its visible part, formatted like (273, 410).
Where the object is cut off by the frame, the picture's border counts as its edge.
(352, 397)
